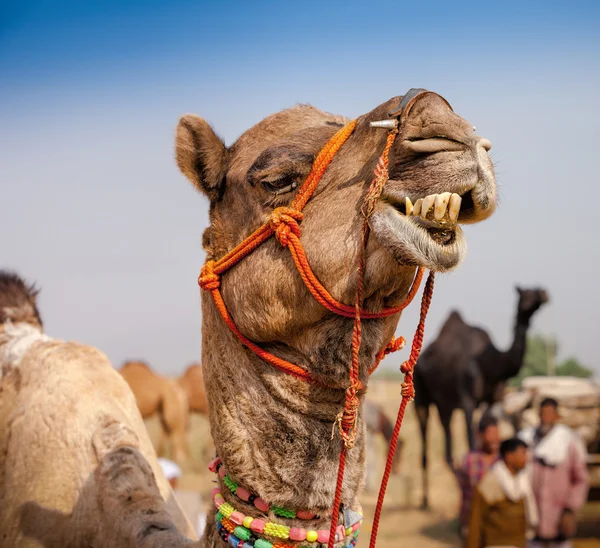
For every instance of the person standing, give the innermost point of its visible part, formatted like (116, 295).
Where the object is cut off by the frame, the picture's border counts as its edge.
(503, 511)
(475, 465)
(559, 476)
(190, 501)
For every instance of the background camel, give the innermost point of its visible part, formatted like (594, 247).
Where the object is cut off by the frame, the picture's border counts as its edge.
(192, 381)
(272, 431)
(462, 369)
(160, 395)
(77, 468)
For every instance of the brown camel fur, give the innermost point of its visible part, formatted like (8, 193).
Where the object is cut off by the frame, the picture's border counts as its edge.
(77, 469)
(192, 381)
(462, 369)
(160, 395)
(272, 431)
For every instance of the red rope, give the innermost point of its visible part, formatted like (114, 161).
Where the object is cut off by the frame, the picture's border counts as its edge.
(408, 393)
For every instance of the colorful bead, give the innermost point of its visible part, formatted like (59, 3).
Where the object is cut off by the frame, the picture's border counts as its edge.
(261, 543)
(348, 531)
(261, 505)
(258, 526)
(228, 525)
(276, 530)
(312, 536)
(230, 484)
(212, 465)
(323, 536)
(296, 533)
(242, 493)
(340, 533)
(304, 514)
(237, 518)
(222, 472)
(247, 522)
(218, 499)
(283, 512)
(242, 533)
(226, 509)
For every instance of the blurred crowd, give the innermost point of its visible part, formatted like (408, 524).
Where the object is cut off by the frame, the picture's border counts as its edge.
(524, 491)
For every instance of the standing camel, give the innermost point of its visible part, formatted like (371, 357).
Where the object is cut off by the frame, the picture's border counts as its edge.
(462, 369)
(273, 431)
(77, 468)
(192, 381)
(160, 395)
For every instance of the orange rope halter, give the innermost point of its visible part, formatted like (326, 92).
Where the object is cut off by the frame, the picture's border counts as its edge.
(284, 224)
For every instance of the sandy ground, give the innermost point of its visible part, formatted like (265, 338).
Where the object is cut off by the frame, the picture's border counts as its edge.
(402, 522)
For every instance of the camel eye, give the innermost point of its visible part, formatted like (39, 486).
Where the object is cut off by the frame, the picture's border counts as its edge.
(281, 185)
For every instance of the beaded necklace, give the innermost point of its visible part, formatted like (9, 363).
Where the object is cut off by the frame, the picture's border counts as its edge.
(240, 528)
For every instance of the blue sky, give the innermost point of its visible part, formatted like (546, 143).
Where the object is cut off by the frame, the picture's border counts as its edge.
(98, 213)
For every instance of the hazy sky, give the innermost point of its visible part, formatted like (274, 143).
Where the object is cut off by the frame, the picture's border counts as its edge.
(94, 208)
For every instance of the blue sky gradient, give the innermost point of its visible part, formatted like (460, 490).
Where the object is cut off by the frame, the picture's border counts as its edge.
(90, 94)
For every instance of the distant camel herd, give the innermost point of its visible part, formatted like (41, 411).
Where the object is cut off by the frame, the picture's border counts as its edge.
(171, 399)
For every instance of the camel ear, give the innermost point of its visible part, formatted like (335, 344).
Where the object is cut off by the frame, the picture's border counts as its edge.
(201, 155)
(519, 290)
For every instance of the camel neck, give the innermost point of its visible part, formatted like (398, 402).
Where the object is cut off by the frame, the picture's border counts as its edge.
(513, 358)
(274, 432)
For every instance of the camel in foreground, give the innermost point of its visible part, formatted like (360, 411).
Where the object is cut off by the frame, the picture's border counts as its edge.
(158, 395)
(273, 431)
(462, 369)
(77, 469)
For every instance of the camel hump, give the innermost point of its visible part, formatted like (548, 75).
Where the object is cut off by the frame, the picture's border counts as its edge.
(453, 321)
(132, 365)
(18, 300)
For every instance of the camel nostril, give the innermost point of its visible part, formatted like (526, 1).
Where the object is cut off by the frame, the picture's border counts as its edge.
(485, 143)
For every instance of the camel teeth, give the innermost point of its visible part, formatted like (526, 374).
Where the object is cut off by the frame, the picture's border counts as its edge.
(428, 201)
(454, 207)
(441, 203)
(417, 208)
(409, 206)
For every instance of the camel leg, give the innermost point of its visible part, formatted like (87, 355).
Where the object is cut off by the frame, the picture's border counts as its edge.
(163, 439)
(446, 418)
(423, 416)
(469, 408)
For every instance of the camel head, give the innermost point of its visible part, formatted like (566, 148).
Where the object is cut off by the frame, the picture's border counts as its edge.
(18, 300)
(440, 175)
(530, 301)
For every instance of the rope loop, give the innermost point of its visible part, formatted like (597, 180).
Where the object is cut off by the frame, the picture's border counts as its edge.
(208, 279)
(283, 221)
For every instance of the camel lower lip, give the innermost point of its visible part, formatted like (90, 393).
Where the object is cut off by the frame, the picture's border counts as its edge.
(413, 241)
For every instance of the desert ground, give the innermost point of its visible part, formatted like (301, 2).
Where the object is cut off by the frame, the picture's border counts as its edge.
(402, 522)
